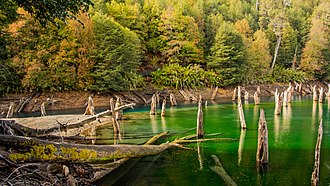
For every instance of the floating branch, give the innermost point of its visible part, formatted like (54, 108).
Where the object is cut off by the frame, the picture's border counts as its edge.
(90, 107)
(262, 150)
(316, 170)
(214, 93)
(200, 127)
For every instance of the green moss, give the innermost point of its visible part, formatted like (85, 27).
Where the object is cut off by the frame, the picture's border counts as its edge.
(82, 154)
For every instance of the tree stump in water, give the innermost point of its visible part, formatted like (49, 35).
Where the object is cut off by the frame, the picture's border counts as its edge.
(328, 93)
(43, 109)
(200, 124)
(316, 170)
(90, 107)
(119, 114)
(256, 98)
(241, 115)
(239, 96)
(153, 105)
(321, 95)
(262, 149)
(115, 123)
(315, 98)
(163, 107)
(173, 100)
(246, 95)
(10, 112)
(285, 98)
(214, 93)
(234, 95)
(278, 102)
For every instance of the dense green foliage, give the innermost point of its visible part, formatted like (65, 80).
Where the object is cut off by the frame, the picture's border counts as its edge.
(121, 45)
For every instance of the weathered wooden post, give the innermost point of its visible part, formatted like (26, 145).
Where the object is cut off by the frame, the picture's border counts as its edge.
(241, 115)
(153, 105)
(262, 150)
(214, 93)
(90, 107)
(163, 107)
(10, 112)
(321, 95)
(316, 170)
(173, 100)
(315, 98)
(116, 127)
(200, 124)
(43, 109)
(234, 95)
(278, 102)
(256, 98)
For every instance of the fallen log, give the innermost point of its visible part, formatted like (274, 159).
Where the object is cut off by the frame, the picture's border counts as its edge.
(140, 96)
(218, 168)
(316, 170)
(22, 105)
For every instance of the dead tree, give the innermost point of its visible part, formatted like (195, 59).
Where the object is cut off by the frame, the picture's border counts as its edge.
(241, 115)
(239, 96)
(285, 98)
(214, 93)
(43, 109)
(246, 95)
(200, 127)
(218, 168)
(316, 170)
(173, 100)
(90, 107)
(10, 112)
(153, 105)
(119, 114)
(262, 150)
(234, 95)
(321, 95)
(315, 98)
(163, 107)
(328, 93)
(115, 123)
(278, 102)
(256, 98)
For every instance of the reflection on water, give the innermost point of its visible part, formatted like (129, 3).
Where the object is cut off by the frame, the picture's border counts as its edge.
(277, 129)
(241, 145)
(153, 122)
(314, 115)
(200, 155)
(164, 124)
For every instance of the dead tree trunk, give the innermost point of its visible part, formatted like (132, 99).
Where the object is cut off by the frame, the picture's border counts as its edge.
(316, 170)
(285, 98)
(43, 109)
(185, 96)
(315, 98)
(10, 112)
(300, 88)
(239, 96)
(328, 94)
(276, 51)
(241, 115)
(200, 127)
(256, 98)
(246, 95)
(278, 102)
(218, 168)
(153, 105)
(163, 107)
(262, 150)
(119, 114)
(115, 123)
(214, 93)
(90, 107)
(234, 95)
(173, 100)
(321, 95)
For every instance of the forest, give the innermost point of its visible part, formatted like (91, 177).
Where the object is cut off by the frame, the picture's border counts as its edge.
(118, 45)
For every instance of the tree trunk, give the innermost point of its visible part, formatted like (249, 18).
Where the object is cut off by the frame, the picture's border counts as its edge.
(239, 96)
(241, 115)
(214, 93)
(200, 127)
(278, 102)
(246, 95)
(234, 95)
(285, 98)
(321, 95)
(163, 107)
(262, 150)
(43, 109)
(316, 170)
(173, 100)
(10, 112)
(256, 98)
(276, 51)
(90, 107)
(315, 98)
(116, 126)
(153, 105)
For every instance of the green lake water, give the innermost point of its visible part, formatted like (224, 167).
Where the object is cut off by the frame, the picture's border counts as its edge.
(292, 139)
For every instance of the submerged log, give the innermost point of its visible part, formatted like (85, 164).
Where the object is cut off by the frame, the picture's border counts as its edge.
(256, 98)
(200, 124)
(234, 95)
(316, 170)
(321, 95)
(241, 115)
(214, 93)
(163, 107)
(90, 107)
(173, 100)
(218, 168)
(315, 98)
(153, 105)
(262, 149)
(10, 112)
(43, 109)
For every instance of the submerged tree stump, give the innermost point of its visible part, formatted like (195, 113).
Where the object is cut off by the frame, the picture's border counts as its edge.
(173, 100)
(163, 107)
(90, 107)
(153, 105)
(241, 115)
(234, 95)
(200, 124)
(214, 93)
(321, 95)
(246, 95)
(43, 109)
(315, 98)
(218, 168)
(256, 98)
(278, 102)
(316, 170)
(262, 149)
(239, 95)
(285, 98)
